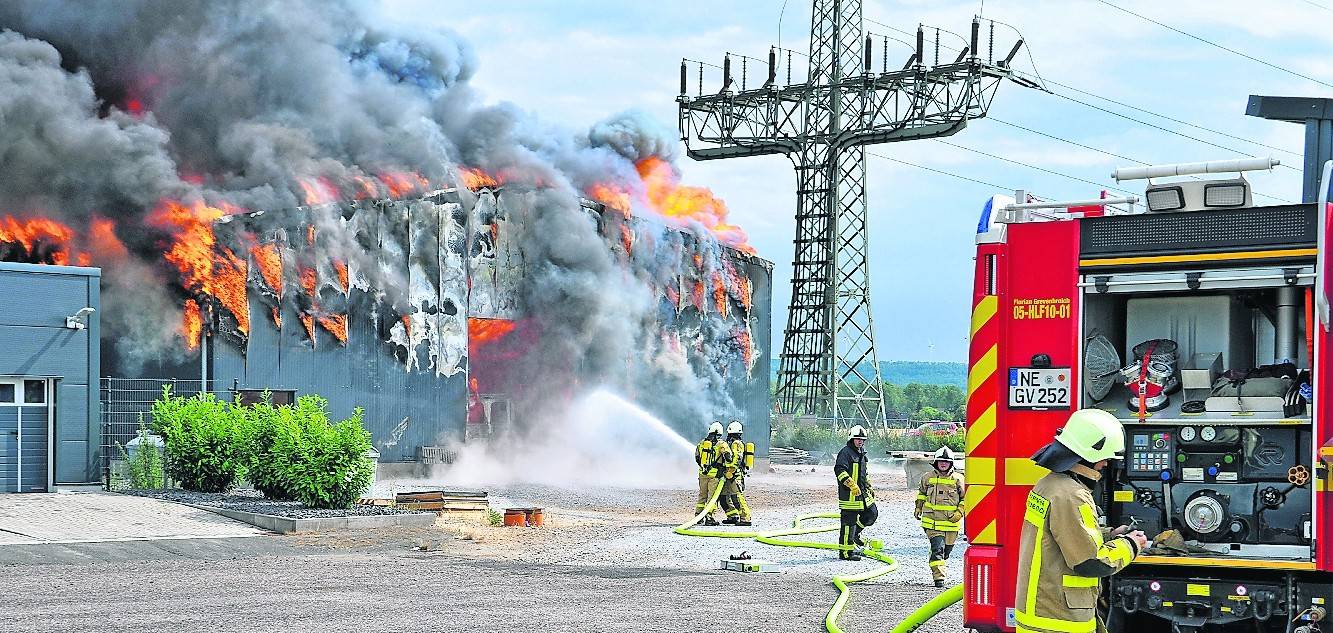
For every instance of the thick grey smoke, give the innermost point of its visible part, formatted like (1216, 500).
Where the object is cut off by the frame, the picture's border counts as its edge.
(111, 107)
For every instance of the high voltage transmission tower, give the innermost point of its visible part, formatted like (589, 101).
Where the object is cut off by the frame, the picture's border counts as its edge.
(829, 367)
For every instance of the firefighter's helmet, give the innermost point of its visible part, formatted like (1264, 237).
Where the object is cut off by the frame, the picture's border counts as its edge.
(715, 428)
(735, 428)
(857, 432)
(1093, 435)
(945, 454)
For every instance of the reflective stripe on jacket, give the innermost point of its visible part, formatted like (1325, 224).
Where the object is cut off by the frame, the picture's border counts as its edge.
(1062, 558)
(939, 499)
(851, 466)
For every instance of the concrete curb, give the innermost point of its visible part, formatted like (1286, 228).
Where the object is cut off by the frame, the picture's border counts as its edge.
(286, 525)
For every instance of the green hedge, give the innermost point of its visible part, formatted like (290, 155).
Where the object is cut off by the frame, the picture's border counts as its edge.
(822, 440)
(287, 452)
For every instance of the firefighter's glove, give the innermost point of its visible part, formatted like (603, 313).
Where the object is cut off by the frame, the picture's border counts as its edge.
(856, 490)
(731, 473)
(917, 514)
(956, 516)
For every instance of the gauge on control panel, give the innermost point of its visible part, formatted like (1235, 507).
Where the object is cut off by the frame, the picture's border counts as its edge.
(1187, 434)
(1208, 433)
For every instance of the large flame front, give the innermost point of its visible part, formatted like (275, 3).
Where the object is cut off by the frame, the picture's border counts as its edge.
(660, 191)
(205, 267)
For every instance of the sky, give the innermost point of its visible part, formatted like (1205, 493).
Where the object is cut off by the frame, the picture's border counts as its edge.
(573, 63)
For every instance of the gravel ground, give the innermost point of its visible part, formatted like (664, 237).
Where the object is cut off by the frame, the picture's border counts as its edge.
(247, 500)
(606, 561)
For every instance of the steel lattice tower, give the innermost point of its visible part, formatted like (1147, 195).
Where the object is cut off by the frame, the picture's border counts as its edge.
(829, 367)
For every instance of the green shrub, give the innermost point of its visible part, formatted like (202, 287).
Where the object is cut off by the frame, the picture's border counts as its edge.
(324, 465)
(493, 518)
(145, 468)
(205, 445)
(823, 440)
(263, 466)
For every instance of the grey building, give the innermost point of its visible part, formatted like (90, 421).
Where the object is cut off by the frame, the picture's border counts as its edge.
(49, 360)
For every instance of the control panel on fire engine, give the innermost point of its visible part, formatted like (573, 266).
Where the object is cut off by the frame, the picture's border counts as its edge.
(1149, 453)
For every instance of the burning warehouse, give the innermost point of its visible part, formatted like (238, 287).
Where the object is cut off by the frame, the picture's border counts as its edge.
(314, 200)
(421, 311)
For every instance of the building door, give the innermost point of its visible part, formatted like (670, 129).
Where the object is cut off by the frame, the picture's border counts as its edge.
(25, 429)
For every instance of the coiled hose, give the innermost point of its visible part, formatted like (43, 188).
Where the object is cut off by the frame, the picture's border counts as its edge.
(843, 582)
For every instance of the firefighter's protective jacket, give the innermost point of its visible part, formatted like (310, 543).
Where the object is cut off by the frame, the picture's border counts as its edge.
(712, 456)
(1062, 557)
(939, 499)
(851, 467)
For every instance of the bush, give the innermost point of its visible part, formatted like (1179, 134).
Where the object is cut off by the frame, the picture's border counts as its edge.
(823, 440)
(205, 446)
(263, 466)
(145, 468)
(324, 465)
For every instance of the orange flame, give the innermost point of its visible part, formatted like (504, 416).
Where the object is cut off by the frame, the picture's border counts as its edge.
(746, 344)
(102, 237)
(720, 295)
(38, 238)
(403, 183)
(309, 281)
(318, 190)
(407, 325)
(268, 258)
(611, 196)
(476, 178)
(192, 326)
(483, 331)
(308, 322)
(336, 324)
(277, 316)
(627, 238)
(697, 295)
(204, 267)
(341, 269)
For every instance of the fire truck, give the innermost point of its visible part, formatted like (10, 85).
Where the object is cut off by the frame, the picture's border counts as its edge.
(1200, 320)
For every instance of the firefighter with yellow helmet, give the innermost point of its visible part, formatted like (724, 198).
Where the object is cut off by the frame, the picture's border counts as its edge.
(856, 500)
(738, 466)
(711, 455)
(939, 501)
(1064, 552)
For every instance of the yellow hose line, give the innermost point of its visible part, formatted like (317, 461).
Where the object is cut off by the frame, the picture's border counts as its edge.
(776, 538)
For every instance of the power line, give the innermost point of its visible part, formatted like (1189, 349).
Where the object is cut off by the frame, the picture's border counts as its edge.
(1108, 153)
(1029, 166)
(1173, 120)
(1316, 4)
(1216, 45)
(941, 171)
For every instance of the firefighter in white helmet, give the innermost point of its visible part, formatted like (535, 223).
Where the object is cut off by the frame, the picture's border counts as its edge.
(856, 500)
(939, 501)
(711, 454)
(1064, 552)
(733, 486)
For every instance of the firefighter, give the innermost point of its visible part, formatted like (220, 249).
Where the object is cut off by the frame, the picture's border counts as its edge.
(738, 466)
(711, 454)
(1064, 552)
(938, 507)
(856, 499)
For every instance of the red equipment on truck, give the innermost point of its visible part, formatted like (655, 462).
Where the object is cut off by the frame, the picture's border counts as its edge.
(1194, 322)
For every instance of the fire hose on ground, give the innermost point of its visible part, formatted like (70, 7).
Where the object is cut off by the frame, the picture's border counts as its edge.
(843, 582)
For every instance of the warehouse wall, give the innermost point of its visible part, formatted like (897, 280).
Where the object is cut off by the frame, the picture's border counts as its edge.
(34, 301)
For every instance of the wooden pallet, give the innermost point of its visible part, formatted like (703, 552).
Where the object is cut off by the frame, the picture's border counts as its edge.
(443, 500)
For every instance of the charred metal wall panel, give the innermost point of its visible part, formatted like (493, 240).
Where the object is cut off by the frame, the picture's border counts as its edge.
(380, 329)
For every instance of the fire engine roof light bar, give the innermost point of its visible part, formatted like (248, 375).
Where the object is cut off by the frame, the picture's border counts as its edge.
(1072, 203)
(1186, 169)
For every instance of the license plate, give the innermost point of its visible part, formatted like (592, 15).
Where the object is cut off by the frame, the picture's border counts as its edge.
(1045, 388)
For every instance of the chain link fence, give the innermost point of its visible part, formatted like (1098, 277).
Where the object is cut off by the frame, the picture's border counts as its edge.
(127, 406)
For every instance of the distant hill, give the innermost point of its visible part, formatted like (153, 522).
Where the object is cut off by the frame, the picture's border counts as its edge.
(903, 372)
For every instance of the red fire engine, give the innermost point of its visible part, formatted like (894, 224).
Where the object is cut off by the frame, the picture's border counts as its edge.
(1201, 323)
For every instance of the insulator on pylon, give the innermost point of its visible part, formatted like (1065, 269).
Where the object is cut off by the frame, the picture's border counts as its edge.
(726, 73)
(1013, 52)
(867, 55)
(920, 45)
(976, 33)
(682, 77)
(772, 65)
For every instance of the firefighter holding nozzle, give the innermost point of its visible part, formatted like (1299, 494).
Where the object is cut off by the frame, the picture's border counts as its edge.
(1064, 552)
(711, 455)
